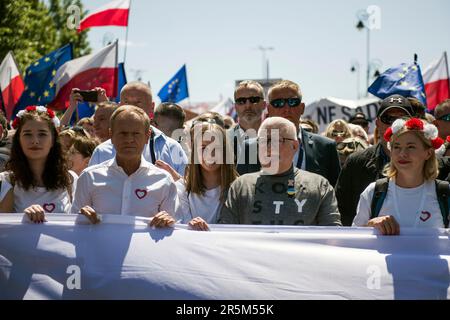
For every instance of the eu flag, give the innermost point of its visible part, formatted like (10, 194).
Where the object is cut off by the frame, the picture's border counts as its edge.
(39, 87)
(176, 89)
(86, 110)
(405, 80)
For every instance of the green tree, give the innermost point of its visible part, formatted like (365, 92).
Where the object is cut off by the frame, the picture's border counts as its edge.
(65, 35)
(27, 29)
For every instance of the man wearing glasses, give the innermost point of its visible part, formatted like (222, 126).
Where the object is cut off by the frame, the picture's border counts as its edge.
(316, 154)
(280, 194)
(250, 105)
(364, 167)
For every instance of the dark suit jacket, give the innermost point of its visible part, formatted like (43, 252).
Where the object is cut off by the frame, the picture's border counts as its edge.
(360, 169)
(321, 157)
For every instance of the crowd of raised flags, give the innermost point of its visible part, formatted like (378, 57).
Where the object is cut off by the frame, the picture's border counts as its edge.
(48, 81)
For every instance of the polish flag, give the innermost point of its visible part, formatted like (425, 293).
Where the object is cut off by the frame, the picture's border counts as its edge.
(94, 70)
(114, 13)
(436, 79)
(11, 84)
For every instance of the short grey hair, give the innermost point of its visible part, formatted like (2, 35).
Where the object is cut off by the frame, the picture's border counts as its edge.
(287, 128)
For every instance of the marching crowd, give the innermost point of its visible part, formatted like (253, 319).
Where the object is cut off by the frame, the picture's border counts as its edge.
(272, 168)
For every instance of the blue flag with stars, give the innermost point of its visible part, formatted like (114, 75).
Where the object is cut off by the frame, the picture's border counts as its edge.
(405, 80)
(176, 89)
(39, 87)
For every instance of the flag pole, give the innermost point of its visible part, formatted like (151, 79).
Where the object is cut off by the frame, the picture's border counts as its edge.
(126, 35)
(446, 64)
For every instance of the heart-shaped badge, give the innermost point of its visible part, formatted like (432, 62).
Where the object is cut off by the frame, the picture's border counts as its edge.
(140, 193)
(49, 207)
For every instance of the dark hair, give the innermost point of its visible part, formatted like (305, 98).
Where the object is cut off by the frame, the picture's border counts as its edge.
(56, 173)
(84, 145)
(171, 110)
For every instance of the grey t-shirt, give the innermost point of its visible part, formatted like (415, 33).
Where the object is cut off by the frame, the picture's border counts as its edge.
(296, 197)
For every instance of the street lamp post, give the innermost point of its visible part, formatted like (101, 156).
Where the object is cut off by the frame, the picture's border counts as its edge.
(356, 68)
(265, 61)
(363, 17)
(368, 19)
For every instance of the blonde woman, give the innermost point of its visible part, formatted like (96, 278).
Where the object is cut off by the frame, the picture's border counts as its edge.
(203, 189)
(338, 130)
(411, 197)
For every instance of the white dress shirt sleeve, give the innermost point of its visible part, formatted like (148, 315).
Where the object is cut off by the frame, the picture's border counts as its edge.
(83, 193)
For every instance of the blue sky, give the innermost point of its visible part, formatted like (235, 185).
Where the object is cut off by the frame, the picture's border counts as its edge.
(314, 42)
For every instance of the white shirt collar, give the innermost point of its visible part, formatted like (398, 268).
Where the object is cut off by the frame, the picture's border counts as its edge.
(144, 163)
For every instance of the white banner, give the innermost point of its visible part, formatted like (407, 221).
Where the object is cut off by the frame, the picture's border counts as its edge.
(328, 109)
(122, 258)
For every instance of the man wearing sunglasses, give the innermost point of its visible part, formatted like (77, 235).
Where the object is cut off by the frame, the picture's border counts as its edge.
(442, 115)
(316, 154)
(362, 168)
(250, 105)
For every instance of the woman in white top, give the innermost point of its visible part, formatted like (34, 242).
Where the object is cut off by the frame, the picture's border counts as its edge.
(411, 199)
(37, 179)
(202, 191)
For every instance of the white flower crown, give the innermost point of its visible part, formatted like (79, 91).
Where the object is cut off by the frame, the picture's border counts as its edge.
(40, 109)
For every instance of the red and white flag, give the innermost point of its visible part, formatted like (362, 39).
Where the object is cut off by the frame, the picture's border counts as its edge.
(114, 13)
(436, 79)
(94, 70)
(11, 84)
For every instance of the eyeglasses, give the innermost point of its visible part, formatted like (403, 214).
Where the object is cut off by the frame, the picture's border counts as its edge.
(445, 117)
(387, 119)
(243, 100)
(267, 142)
(291, 102)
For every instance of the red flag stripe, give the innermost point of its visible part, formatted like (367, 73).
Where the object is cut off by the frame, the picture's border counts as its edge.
(437, 92)
(111, 17)
(86, 80)
(11, 95)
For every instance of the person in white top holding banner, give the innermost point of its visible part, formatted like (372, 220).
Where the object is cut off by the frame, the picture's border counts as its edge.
(127, 184)
(411, 196)
(37, 180)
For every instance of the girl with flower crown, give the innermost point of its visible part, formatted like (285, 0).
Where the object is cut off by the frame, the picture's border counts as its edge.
(411, 197)
(37, 180)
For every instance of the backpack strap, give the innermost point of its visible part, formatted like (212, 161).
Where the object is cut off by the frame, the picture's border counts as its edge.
(379, 194)
(443, 195)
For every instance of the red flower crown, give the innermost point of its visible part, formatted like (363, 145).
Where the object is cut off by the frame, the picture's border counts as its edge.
(39, 109)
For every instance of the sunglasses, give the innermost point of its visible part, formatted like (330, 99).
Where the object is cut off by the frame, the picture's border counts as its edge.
(291, 102)
(445, 117)
(337, 133)
(243, 100)
(389, 120)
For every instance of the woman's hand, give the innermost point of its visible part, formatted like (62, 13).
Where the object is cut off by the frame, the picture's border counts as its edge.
(90, 213)
(387, 225)
(163, 165)
(36, 213)
(162, 219)
(198, 224)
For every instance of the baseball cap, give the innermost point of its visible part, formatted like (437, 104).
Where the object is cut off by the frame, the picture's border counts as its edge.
(395, 101)
(359, 118)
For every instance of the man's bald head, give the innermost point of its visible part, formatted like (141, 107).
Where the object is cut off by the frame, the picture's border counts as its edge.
(138, 94)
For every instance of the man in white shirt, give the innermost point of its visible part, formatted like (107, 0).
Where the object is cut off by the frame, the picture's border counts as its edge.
(159, 146)
(127, 184)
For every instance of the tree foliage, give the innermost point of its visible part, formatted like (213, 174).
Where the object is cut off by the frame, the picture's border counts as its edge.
(31, 29)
